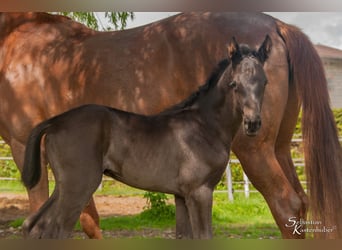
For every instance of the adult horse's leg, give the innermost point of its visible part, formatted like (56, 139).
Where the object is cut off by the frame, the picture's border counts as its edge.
(283, 147)
(40, 193)
(183, 226)
(90, 220)
(283, 155)
(264, 171)
(199, 203)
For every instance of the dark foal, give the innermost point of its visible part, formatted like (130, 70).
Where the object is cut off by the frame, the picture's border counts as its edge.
(182, 151)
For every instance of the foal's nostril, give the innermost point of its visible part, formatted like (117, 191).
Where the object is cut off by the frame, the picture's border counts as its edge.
(259, 123)
(252, 126)
(256, 124)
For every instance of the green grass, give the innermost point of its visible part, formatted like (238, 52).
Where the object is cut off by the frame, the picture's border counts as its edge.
(17, 187)
(109, 187)
(11, 186)
(247, 210)
(244, 218)
(146, 219)
(112, 187)
(17, 222)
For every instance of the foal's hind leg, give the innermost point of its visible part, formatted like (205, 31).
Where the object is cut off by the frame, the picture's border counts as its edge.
(75, 183)
(59, 214)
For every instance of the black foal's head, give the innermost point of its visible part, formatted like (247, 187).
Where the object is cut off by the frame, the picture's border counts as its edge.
(249, 81)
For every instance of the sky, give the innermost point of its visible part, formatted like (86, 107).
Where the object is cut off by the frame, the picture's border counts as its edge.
(322, 27)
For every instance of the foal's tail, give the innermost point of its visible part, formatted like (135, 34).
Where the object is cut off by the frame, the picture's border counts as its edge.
(32, 171)
(323, 154)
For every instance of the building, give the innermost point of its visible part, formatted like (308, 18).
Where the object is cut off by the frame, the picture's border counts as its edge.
(332, 62)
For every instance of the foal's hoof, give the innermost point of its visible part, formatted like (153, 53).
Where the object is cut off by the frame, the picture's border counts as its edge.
(26, 228)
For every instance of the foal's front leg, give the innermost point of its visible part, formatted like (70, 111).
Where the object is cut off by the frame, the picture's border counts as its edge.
(199, 203)
(183, 226)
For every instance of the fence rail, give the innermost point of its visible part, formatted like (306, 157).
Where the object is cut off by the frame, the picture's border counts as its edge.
(298, 162)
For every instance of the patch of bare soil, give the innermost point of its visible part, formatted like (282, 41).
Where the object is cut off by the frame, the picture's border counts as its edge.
(109, 206)
(12, 206)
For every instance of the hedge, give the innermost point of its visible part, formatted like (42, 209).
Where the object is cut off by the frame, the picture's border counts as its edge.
(338, 119)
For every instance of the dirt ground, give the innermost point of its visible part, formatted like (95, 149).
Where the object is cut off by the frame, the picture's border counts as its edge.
(14, 206)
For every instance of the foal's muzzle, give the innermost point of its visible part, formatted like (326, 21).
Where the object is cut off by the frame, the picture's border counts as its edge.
(252, 126)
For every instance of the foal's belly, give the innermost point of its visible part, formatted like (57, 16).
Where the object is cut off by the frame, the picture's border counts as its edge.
(167, 177)
(158, 178)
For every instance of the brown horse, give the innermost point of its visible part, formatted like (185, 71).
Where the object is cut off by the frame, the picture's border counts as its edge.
(50, 64)
(182, 151)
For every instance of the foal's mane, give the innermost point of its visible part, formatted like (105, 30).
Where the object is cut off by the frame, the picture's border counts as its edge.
(211, 81)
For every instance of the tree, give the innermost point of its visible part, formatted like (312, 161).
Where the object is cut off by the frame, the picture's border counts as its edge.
(115, 20)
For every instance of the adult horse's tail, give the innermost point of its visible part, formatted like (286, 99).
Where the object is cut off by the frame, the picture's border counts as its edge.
(32, 171)
(323, 154)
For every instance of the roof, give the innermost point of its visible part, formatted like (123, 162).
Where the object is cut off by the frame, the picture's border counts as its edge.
(328, 52)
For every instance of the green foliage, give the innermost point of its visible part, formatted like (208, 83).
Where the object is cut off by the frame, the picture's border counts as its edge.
(298, 128)
(157, 206)
(338, 119)
(92, 19)
(117, 18)
(7, 167)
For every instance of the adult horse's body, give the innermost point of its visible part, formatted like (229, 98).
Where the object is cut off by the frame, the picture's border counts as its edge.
(50, 64)
(183, 151)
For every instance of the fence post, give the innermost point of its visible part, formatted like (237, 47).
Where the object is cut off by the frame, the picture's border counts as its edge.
(246, 185)
(229, 182)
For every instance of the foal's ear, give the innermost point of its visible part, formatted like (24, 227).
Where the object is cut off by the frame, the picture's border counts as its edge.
(234, 53)
(265, 49)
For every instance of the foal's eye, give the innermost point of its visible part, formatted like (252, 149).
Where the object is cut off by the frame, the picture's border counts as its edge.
(232, 84)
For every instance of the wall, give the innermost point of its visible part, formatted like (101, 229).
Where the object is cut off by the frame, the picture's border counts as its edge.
(333, 71)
